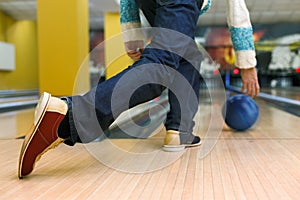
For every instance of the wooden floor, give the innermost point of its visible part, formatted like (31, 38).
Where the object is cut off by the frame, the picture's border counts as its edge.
(262, 163)
(291, 93)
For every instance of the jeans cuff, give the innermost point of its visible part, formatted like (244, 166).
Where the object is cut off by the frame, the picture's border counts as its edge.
(73, 132)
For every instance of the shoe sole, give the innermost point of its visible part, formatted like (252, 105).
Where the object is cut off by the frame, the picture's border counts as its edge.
(176, 148)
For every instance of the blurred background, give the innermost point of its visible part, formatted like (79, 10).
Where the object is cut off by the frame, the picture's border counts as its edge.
(57, 46)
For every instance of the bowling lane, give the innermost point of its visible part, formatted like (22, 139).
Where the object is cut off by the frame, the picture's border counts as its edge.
(290, 93)
(287, 99)
(272, 122)
(15, 123)
(265, 159)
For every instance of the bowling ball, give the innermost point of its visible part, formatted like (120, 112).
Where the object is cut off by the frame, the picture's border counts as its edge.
(240, 112)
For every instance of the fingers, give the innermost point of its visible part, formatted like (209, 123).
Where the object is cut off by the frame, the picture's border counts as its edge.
(135, 54)
(250, 82)
(257, 89)
(134, 49)
(251, 89)
(247, 89)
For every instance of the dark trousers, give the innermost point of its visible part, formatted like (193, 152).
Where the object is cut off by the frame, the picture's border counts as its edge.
(171, 60)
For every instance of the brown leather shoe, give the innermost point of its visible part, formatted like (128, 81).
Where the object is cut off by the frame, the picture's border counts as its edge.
(177, 141)
(42, 136)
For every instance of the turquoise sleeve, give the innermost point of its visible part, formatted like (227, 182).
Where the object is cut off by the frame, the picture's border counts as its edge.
(129, 11)
(242, 38)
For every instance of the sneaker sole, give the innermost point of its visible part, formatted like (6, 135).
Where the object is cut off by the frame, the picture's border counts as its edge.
(174, 148)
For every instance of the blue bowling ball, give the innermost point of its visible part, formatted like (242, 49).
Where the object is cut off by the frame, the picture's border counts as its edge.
(240, 112)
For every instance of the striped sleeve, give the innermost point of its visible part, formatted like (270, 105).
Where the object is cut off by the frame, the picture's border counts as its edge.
(130, 21)
(238, 20)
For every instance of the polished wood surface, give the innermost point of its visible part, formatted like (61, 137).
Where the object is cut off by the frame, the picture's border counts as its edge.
(291, 93)
(261, 163)
(16, 123)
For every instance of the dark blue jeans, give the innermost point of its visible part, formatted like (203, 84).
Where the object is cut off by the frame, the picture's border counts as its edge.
(171, 60)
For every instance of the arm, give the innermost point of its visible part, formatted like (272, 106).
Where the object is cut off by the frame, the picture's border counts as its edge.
(130, 24)
(240, 28)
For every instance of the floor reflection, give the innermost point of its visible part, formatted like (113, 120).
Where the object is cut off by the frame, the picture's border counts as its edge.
(15, 124)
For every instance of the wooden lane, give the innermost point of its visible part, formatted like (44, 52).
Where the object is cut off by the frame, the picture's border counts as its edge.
(15, 123)
(261, 163)
(291, 93)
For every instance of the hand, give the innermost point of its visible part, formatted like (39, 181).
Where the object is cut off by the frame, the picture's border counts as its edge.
(134, 49)
(250, 82)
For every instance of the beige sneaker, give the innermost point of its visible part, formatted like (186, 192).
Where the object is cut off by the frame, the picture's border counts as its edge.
(176, 141)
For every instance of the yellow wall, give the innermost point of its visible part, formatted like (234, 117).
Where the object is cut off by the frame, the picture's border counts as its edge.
(23, 35)
(116, 58)
(63, 46)
(2, 26)
(55, 65)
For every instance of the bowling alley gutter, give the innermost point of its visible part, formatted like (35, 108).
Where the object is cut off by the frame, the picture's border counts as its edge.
(11, 100)
(282, 102)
